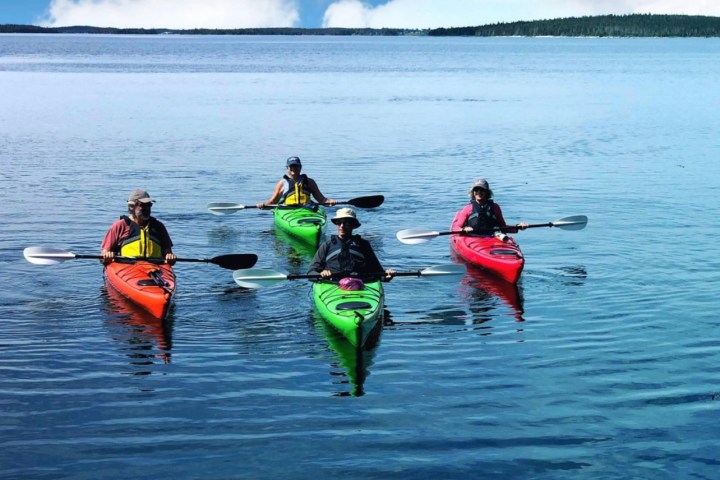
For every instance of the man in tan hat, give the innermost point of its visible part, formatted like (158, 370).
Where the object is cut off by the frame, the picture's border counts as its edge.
(346, 253)
(138, 234)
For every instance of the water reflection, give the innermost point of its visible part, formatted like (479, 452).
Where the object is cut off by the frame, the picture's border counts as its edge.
(487, 287)
(351, 367)
(296, 251)
(148, 338)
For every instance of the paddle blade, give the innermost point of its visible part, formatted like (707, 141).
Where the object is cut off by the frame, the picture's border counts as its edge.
(448, 272)
(257, 277)
(235, 261)
(576, 222)
(47, 256)
(414, 236)
(222, 208)
(371, 201)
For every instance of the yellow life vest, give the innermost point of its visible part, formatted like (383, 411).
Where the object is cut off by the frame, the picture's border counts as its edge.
(296, 193)
(141, 241)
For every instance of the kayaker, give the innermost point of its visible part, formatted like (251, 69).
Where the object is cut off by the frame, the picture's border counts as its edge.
(296, 188)
(138, 234)
(347, 253)
(482, 215)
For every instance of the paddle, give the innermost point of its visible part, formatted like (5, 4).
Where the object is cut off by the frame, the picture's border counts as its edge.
(415, 235)
(222, 208)
(53, 256)
(262, 277)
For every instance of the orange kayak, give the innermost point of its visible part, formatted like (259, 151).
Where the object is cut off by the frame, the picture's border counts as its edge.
(149, 285)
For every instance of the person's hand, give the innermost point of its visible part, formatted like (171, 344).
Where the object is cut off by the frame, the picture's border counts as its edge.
(107, 257)
(522, 225)
(467, 229)
(260, 205)
(330, 202)
(326, 273)
(389, 274)
(170, 258)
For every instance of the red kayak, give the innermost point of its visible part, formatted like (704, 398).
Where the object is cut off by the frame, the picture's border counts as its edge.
(502, 257)
(149, 285)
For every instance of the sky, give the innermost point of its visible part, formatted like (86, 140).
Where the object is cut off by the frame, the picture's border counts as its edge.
(185, 14)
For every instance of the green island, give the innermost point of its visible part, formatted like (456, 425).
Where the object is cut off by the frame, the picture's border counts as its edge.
(634, 25)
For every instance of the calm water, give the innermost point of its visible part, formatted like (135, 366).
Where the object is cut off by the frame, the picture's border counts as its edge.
(602, 365)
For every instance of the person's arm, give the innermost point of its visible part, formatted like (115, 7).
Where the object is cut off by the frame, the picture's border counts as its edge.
(503, 223)
(317, 194)
(317, 266)
(373, 265)
(460, 219)
(110, 242)
(166, 244)
(275, 195)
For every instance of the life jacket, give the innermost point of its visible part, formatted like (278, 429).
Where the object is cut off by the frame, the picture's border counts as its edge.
(345, 256)
(141, 241)
(296, 193)
(483, 218)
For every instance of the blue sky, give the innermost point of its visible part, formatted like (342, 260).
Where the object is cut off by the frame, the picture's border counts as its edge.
(324, 13)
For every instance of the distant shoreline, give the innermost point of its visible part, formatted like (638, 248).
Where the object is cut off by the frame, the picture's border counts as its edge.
(635, 25)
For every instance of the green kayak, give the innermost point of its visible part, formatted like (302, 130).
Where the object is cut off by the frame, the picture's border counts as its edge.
(354, 313)
(301, 223)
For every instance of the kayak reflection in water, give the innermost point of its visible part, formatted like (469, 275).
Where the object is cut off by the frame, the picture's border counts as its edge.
(348, 253)
(138, 234)
(296, 188)
(482, 215)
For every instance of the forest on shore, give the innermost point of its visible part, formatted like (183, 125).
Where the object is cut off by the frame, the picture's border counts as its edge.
(635, 25)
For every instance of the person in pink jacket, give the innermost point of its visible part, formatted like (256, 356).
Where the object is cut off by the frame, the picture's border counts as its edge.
(482, 216)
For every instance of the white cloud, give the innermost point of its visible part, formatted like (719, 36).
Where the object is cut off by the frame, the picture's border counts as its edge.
(178, 14)
(457, 13)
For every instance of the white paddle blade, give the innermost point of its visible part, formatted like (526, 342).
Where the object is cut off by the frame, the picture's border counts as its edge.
(414, 236)
(576, 222)
(47, 256)
(221, 208)
(448, 272)
(257, 277)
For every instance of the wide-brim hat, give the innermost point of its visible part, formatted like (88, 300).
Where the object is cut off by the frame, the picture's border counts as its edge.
(345, 214)
(139, 195)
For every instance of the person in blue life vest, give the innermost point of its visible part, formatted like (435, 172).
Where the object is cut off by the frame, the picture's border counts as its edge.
(138, 234)
(296, 188)
(482, 216)
(346, 253)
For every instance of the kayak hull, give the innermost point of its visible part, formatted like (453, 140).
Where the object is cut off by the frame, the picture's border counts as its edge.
(302, 224)
(502, 258)
(353, 313)
(139, 283)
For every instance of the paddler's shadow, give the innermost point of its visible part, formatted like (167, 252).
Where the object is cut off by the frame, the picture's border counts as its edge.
(146, 340)
(351, 364)
(485, 288)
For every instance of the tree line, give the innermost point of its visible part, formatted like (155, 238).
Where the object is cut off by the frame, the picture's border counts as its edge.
(634, 25)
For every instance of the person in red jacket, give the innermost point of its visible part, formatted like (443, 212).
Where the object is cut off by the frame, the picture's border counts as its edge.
(482, 216)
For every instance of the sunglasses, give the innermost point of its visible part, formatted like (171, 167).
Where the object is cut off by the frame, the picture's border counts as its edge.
(479, 190)
(345, 222)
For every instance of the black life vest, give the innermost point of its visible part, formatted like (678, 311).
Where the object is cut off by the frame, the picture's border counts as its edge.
(142, 241)
(296, 193)
(345, 256)
(483, 218)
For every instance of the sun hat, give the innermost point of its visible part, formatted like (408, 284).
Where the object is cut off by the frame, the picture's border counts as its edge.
(481, 183)
(139, 195)
(293, 161)
(345, 213)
